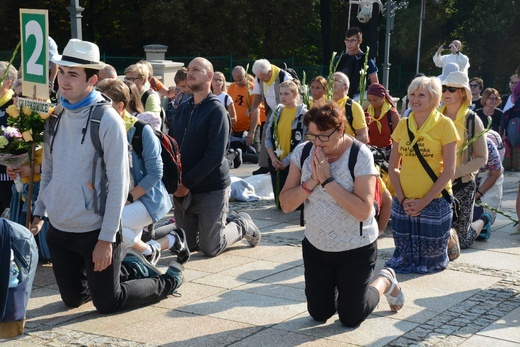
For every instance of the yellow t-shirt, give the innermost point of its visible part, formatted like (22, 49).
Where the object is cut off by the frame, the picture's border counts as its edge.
(284, 130)
(38, 157)
(415, 181)
(358, 115)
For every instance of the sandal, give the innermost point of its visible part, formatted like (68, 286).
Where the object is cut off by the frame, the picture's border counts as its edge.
(395, 302)
(454, 251)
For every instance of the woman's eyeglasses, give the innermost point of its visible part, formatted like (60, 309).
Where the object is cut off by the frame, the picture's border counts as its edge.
(322, 138)
(449, 89)
(132, 79)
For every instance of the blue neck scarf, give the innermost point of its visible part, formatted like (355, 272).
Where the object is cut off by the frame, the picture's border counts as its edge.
(85, 102)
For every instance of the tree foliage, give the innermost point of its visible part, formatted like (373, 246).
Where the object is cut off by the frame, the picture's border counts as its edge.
(308, 30)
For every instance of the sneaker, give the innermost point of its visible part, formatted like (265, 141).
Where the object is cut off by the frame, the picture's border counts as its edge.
(175, 273)
(238, 158)
(137, 262)
(251, 231)
(156, 252)
(180, 247)
(261, 170)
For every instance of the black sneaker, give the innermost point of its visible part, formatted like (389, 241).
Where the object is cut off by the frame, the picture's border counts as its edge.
(251, 231)
(156, 252)
(142, 267)
(261, 170)
(175, 273)
(238, 158)
(180, 247)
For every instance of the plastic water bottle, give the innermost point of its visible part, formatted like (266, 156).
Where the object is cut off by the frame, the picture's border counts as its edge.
(14, 271)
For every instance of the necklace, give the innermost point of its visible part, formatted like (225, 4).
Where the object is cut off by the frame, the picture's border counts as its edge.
(339, 153)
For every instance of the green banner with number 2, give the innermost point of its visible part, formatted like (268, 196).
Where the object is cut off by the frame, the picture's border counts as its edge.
(35, 47)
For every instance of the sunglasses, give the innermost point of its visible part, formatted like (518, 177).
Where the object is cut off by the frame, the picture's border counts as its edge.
(474, 85)
(449, 89)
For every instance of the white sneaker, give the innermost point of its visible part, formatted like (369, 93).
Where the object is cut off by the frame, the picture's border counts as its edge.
(252, 233)
(156, 252)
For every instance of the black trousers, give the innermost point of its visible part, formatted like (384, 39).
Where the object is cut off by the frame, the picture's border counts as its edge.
(339, 281)
(78, 282)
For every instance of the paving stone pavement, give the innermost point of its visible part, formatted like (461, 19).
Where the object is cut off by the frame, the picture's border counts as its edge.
(255, 297)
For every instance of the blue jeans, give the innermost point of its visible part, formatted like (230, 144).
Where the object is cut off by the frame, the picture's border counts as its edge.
(78, 282)
(203, 218)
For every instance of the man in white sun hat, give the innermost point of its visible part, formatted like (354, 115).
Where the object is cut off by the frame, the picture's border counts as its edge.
(85, 239)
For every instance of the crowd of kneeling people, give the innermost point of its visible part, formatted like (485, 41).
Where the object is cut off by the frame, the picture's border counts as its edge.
(436, 173)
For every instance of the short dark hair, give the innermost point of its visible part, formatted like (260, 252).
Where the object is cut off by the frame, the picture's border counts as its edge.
(327, 116)
(478, 80)
(354, 31)
(91, 72)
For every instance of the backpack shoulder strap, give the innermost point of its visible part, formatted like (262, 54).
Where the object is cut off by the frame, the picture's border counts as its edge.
(348, 114)
(281, 75)
(389, 118)
(352, 160)
(470, 129)
(52, 125)
(96, 115)
(226, 98)
(277, 90)
(145, 96)
(137, 139)
(305, 153)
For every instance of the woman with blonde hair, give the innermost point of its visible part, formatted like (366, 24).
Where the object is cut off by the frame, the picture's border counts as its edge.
(421, 215)
(456, 97)
(134, 106)
(284, 132)
(219, 88)
(138, 73)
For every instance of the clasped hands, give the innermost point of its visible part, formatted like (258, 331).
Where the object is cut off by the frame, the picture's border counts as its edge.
(320, 166)
(413, 207)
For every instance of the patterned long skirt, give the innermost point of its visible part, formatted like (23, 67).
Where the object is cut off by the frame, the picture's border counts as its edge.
(465, 193)
(421, 242)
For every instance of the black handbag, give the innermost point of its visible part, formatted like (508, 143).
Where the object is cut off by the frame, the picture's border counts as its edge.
(454, 203)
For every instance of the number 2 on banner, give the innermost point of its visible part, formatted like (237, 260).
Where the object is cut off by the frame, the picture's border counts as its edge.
(32, 28)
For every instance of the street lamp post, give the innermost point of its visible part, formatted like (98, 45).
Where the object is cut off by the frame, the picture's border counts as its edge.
(391, 9)
(75, 19)
(389, 28)
(423, 12)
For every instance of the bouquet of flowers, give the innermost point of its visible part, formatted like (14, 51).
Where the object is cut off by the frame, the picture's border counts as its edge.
(25, 129)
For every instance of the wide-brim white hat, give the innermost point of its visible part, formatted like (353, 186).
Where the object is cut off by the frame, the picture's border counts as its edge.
(79, 53)
(460, 80)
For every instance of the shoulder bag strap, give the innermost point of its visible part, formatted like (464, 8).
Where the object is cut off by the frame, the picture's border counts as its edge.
(425, 165)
